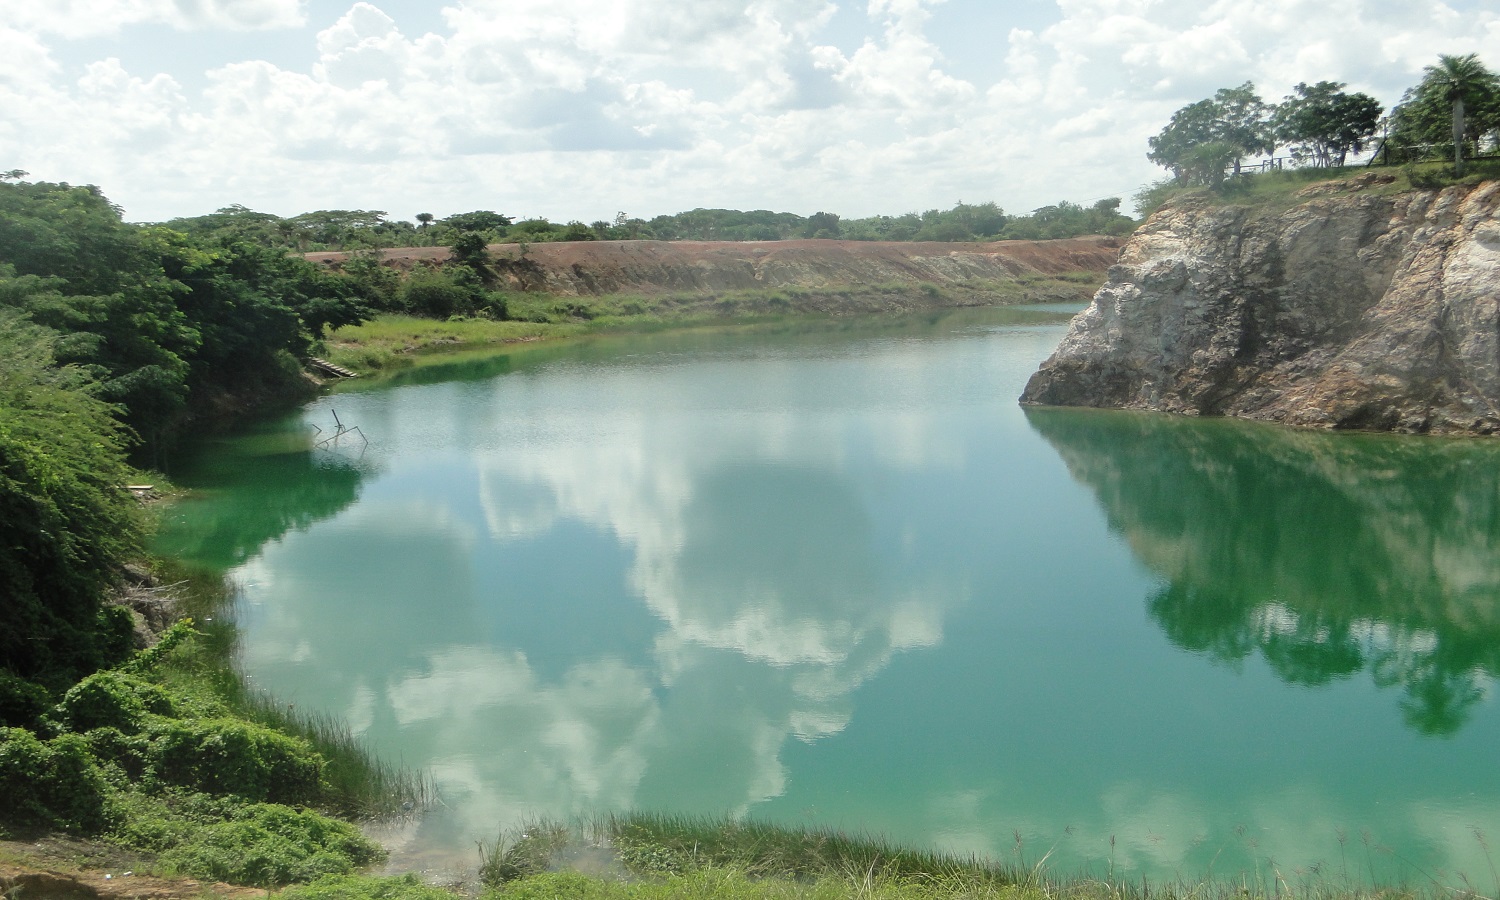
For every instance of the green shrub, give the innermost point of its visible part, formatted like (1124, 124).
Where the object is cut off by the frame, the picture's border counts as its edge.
(437, 295)
(364, 887)
(22, 702)
(113, 747)
(111, 700)
(269, 846)
(228, 756)
(54, 784)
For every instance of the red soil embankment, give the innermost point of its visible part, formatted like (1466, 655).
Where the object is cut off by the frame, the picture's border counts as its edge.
(655, 267)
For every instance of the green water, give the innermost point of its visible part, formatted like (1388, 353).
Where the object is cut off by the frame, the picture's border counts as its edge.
(837, 577)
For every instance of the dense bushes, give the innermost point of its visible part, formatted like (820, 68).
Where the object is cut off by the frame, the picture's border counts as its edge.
(54, 784)
(225, 756)
(272, 845)
(123, 757)
(168, 325)
(66, 521)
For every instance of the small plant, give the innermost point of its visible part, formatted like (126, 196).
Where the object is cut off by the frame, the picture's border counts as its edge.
(522, 852)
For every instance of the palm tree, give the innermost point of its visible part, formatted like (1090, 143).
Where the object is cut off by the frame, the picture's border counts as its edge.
(1455, 79)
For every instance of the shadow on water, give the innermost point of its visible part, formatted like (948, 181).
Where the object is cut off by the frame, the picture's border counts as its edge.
(253, 488)
(1327, 554)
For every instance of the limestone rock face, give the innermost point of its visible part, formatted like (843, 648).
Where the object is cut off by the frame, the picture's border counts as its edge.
(1349, 310)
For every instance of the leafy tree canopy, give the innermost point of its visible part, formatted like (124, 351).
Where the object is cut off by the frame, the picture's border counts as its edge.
(1323, 124)
(1454, 108)
(1204, 138)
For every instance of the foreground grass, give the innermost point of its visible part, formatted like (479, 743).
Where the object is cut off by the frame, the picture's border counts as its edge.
(396, 341)
(654, 856)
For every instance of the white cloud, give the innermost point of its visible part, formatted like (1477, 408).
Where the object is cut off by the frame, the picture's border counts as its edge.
(86, 18)
(578, 108)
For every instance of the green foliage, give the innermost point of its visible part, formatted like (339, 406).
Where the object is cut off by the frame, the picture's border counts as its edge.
(148, 660)
(230, 756)
(111, 700)
(66, 522)
(269, 846)
(1066, 220)
(52, 784)
(22, 702)
(679, 850)
(438, 294)
(1323, 124)
(1204, 138)
(1451, 112)
(167, 323)
(471, 249)
(480, 220)
(364, 887)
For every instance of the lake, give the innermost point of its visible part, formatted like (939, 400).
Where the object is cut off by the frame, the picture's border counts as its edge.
(833, 575)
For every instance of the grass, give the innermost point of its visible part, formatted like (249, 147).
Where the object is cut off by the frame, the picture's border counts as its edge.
(397, 341)
(657, 856)
(1277, 191)
(358, 784)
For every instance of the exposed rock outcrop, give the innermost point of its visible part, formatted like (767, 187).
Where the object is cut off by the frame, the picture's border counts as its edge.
(1352, 309)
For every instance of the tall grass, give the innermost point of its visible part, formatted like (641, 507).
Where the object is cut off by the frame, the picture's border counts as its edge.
(684, 856)
(357, 783)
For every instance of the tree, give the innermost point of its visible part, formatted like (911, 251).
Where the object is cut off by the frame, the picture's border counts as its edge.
(478, 220)
(471, 248)
(1204, 138)
(1323, 123)
(423, 220)
(1459, 93)
(66, 523)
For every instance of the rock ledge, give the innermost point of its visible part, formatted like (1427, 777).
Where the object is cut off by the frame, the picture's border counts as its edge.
(1350, 310)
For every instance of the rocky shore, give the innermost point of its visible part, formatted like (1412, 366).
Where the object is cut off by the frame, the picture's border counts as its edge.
(1354, 308)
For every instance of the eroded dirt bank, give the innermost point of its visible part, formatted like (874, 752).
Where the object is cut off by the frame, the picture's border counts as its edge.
(656, 267)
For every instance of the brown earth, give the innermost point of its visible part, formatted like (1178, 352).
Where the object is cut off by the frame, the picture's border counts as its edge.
(61, 868)
(586, 268)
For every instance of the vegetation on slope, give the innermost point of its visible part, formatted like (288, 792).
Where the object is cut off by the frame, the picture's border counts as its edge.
(372, 229)
(109, 332)
(168, 328)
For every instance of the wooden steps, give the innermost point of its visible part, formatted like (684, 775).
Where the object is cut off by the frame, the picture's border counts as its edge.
(328, 368)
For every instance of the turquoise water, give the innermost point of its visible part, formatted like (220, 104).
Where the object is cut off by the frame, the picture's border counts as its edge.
(838, 577)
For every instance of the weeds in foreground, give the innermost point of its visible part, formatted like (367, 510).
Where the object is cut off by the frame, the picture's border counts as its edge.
(682, 856)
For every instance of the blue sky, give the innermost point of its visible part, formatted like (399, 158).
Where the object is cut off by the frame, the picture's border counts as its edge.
(579, 109)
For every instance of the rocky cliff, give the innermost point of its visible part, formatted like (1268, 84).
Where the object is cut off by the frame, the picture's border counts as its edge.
(1354, 308)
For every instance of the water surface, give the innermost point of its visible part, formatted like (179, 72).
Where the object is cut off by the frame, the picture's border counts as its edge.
(838, 577)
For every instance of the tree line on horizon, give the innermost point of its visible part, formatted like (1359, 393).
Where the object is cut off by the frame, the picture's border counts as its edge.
(1454, 112)
(348, 230)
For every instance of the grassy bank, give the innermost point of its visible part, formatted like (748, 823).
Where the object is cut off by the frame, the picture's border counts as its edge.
(645, 857)
(169, 758)
(395, 341)
(1275, 192)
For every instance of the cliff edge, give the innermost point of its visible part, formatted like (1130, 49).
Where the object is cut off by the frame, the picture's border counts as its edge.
(1352, 309)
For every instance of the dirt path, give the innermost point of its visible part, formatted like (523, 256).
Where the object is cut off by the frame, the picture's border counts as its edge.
(57, 868)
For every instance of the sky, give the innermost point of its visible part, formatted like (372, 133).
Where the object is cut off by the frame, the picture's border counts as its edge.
(583, 109)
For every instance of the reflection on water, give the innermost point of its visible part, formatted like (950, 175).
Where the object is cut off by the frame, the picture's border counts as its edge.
(839, 578)
(1326, 554)
(254, 489)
